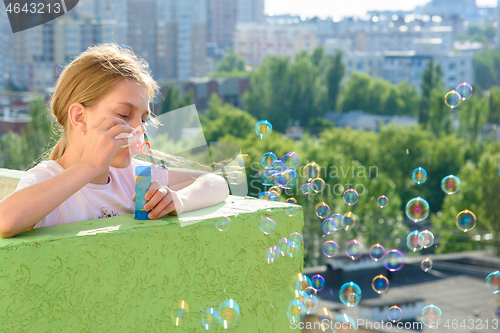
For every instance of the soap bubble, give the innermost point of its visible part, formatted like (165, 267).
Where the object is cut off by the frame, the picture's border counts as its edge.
(307, 188)
(318, 282)
(354, 249)
(229, 312)
(318, 185)
(267, 177)
(291, 210)
(412, 241)
(382, 201)
(302, 282)
(302, 295)
(278, 165)
(426, 264)
(282, 179)
(395, 313)
(349, 220)
(350, 197)
(431, 315)
(291, 160)
(417, 209)
(272, 254)
(292, 250)
(377, 252)
(330, 248)
(493, 282)
(283, 245)
(311, 304)
(380, 284)
(350, 294)
(426, 239)
(310, 291)
(393, 260)
(419, 175)
(464, 90)
(311, 170)
(180, 312)
(452, 99)
(267, 225)
(263, 128)
(276, 189)
(293, 178)
(209, 318)
(466, 220)
(269, 196)
(267, 160)
(450, 184)
(222, 223)
(296, 238)
(339, 219)
(329, 226)
(322, 210)
(295, 308)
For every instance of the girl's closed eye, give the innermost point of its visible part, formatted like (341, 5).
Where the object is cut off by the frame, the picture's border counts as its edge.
(125, 116)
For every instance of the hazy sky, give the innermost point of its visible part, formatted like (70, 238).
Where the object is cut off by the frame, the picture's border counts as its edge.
(332, 8)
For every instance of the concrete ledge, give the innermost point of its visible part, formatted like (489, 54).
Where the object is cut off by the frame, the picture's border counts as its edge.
(122, 275)
(8, 181)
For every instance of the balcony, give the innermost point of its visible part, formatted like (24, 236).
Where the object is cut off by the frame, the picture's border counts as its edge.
(119, 274)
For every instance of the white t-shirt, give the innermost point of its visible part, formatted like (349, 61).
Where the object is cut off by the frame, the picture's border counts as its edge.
(93, 201)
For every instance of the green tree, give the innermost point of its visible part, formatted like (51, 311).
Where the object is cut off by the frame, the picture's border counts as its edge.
(487, 68)
(231, 62)
(307, 95)
(432, 79)
(440, 115)
(173, 100)
(408, 99)
(223, 118)
(23, 151)
(355, 91)
(335, 74)
(268, 96)
(479, 194)
(473, 115)
(494, 105)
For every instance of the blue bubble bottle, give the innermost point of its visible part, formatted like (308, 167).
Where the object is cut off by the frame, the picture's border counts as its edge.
(142, 184)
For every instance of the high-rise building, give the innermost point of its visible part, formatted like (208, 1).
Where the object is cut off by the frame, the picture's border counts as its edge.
(169, 34)
(256, 41)
(142, 30)
(224, 15)
(250, 11)
(498, 24)
(447, 8)
(221, 22)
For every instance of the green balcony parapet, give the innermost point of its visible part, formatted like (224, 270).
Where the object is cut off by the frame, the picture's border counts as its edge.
(119, 274)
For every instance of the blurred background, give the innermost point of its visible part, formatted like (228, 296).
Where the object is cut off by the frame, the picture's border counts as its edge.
(357, 87)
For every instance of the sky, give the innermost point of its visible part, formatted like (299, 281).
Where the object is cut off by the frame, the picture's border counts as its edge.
(333, 8)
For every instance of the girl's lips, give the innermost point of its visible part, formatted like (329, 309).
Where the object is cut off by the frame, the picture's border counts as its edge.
(124, 136)
(135, 139)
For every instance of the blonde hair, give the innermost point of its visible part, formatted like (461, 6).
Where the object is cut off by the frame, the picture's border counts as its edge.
(89, 77)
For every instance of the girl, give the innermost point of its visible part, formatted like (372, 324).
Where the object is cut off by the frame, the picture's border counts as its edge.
(103, 94)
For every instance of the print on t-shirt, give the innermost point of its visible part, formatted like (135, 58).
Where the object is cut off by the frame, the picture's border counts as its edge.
(106, 212)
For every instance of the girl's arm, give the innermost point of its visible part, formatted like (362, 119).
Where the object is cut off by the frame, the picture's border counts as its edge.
(26, 207)
(197, 189)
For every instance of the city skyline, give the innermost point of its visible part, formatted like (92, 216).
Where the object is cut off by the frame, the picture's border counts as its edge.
(350, 8)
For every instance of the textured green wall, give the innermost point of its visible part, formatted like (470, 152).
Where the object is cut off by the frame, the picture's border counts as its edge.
(127, 277)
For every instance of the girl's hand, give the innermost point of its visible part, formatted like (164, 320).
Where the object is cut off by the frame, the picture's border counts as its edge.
(161, 201)
(101, 144)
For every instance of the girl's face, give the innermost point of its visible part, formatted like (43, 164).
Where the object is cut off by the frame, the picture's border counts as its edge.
(129, 101)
